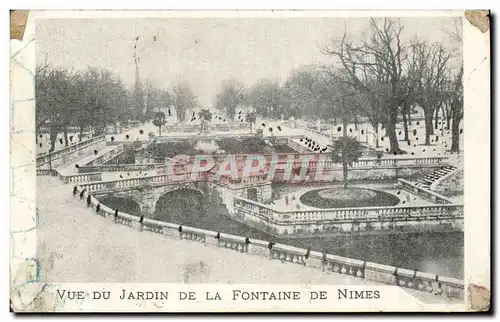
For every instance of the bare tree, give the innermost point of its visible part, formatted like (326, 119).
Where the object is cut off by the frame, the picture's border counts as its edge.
(77, 99)
(183, 100)
(456, 100)
(429, 74)
(231, 94)
(381, 58)
(372, 103)
(299, 97)
(155, 100)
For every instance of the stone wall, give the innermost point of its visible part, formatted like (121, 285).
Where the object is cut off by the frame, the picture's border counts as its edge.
(364, 220)
(325, 263)
(451, 185)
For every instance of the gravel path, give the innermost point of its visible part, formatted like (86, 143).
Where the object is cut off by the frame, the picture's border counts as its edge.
(75, 245)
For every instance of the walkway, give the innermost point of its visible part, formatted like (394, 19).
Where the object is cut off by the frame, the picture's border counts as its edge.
(45, 141)
(75, 245)
(84, 247)
(69, 168)
(406, 198)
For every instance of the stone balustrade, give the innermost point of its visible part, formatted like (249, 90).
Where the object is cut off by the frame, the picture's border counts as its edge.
(155, 180)
(46, 172)
(153, 226)
(118, 167)
(288, 254)
(41, 160)
(316, 161)
(452, 181)
(105, 157)
(394, 162)
(322, 159)
(79, 178)
(236, 243)
(365, 214)
(342, 265)
(298, 147)
(72, 178)
(193, 234)
(424, 193)
(213, 127)
(328, 263)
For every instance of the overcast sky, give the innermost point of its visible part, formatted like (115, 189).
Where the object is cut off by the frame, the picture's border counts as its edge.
(204, 52)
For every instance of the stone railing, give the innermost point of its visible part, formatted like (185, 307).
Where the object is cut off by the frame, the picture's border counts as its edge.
(81, 177)
(213, 127)
(364, 163)
(412, 279)
(71, 178)
(230, 126)
(46, 172)
(145, 181)
(424, 193)
(298, 147)
(118, 167)
(68, 150)
(450, 182)
(317, 160)
(181, 128)
(398, 162)
(103, 158)
(342, 215)
(324, 135)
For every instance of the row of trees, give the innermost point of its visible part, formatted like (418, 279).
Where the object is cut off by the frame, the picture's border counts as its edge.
(382, 79)
(68, 100)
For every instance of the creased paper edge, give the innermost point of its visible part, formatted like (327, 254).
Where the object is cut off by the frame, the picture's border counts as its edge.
(479, 19)
(18, 20)
(479, 298)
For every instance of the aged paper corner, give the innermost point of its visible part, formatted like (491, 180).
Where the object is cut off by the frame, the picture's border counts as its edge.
(479, 19)
(18, 20)
(479, 298)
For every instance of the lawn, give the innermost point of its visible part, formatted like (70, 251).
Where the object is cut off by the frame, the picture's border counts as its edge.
(348, 198)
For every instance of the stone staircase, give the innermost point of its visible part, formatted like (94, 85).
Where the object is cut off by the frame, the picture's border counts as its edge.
(426, 181)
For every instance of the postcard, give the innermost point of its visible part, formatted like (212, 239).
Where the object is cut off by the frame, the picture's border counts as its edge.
(250, 161)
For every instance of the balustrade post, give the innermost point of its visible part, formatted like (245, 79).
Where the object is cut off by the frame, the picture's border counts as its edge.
(218, 239)
(396, 277)
(141, 222)
(324, 261)
(245, 247)
(180, 231)
(270, 247)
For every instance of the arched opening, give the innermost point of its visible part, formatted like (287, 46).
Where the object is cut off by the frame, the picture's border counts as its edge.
(252, 194)
(123, 204)
(181, 206)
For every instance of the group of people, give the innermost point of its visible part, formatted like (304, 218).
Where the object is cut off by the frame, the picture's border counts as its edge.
(311, 144)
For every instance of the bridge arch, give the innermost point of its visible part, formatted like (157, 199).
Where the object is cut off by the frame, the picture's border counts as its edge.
(123, 202)
(182, 205)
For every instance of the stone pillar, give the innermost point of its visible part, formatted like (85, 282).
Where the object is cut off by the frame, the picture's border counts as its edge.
(227, 198)
(148, 204)
(265, 193)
